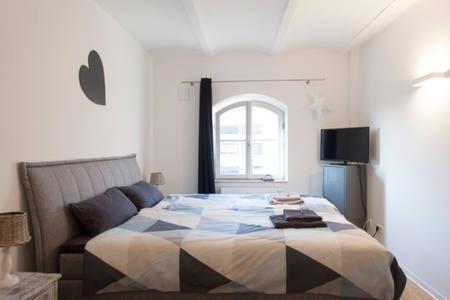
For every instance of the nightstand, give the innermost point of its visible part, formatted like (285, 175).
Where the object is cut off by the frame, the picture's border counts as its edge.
(33, 286)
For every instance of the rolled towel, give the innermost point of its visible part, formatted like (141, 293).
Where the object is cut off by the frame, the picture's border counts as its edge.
(279, 222)
(290, 202)
(304, 215)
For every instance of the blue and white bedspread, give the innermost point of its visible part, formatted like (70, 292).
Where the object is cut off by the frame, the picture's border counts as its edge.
(227, 244)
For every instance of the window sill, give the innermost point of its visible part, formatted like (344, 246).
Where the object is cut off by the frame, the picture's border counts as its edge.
(249, 181)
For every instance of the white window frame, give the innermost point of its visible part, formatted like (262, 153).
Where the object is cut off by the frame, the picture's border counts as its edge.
(249, 170)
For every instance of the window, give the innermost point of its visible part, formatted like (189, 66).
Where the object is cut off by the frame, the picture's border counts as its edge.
(250, 139)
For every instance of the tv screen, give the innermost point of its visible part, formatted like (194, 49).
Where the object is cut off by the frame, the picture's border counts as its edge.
(345, 144)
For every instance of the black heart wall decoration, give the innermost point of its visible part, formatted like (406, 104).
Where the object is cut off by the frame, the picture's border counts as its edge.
(92, 79)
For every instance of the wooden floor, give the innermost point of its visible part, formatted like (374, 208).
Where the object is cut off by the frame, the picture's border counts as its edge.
(414, 292)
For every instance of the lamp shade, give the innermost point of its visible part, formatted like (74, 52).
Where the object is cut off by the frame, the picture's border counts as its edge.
(157, 178)
(13, 229)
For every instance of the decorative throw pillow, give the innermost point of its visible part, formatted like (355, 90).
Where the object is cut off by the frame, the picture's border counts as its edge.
(143, 194)
(104, 211)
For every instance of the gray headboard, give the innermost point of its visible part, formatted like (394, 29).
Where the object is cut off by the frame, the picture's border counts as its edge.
(51, 186)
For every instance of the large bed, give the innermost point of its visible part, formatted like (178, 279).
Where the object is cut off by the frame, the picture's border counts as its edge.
(197, 246)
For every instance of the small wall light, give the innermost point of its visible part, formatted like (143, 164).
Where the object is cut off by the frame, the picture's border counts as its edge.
(432, 77)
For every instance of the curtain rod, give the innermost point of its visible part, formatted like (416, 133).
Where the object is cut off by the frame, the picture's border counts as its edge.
(307, 80)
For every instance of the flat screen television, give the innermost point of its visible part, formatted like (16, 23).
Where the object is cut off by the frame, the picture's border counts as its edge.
(345, 144)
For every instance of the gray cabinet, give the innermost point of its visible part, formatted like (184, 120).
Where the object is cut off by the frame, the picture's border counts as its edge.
(33, 286)
(342, 187)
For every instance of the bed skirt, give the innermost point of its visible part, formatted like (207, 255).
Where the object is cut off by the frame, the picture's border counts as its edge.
(72, 290)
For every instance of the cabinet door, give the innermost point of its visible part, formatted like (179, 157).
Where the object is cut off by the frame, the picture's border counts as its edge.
(51, 293)
(334, 186)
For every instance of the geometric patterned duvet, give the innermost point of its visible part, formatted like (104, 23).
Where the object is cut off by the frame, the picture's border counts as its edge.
(227, 244)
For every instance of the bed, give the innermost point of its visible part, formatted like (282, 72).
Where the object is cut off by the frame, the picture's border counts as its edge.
(197, 246)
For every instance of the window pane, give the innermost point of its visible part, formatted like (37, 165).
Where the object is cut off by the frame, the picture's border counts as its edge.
(232, 158)
(233, 124)
(265, 124)
(233, 142)
(266, 152)
(265, 158)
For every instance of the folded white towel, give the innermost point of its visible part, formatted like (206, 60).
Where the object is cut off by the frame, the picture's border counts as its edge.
(286, 197)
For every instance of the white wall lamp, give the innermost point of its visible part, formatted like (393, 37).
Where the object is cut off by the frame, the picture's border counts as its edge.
(431, 77)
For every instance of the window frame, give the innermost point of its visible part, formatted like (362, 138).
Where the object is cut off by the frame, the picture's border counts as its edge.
(248, 104)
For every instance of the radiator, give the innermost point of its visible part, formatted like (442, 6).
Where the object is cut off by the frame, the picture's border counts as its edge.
(250, 190)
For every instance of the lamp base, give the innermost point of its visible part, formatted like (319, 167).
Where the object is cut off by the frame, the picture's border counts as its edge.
(9, 280)
(6, 278)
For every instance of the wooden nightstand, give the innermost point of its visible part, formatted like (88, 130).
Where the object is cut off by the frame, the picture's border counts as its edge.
(33, 286)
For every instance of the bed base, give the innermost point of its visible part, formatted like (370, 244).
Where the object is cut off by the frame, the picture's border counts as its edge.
(71, 290)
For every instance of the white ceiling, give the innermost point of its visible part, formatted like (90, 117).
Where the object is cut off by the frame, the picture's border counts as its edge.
(270, 26)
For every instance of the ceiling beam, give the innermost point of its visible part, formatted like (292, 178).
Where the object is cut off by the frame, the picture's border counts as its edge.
(283, 29)
(391, 11)
(197, 25)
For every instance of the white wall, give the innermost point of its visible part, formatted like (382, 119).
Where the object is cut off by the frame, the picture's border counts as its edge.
(176, 122)
(44, 115)
(409, 179)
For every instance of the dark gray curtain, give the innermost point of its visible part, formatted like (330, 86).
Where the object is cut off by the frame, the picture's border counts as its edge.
(205, 141)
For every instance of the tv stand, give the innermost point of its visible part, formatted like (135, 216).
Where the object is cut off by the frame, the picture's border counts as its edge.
(342, 186)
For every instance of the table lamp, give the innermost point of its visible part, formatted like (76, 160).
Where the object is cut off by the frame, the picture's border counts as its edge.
(13, 232)
(157, 178)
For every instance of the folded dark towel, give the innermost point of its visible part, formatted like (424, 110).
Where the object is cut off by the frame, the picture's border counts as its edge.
(278, 221)
(304, 215)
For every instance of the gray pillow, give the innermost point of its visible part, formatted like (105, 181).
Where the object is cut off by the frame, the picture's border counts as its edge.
(104, 211)
(143, 194)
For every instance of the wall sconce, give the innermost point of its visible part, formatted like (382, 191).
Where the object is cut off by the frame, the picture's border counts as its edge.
(432, 77)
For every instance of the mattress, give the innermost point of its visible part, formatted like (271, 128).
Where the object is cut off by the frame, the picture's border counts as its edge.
(71, 257)
(227, 244)
(71, 266)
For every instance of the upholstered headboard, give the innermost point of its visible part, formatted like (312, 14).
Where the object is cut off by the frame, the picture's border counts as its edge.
(51, 186)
